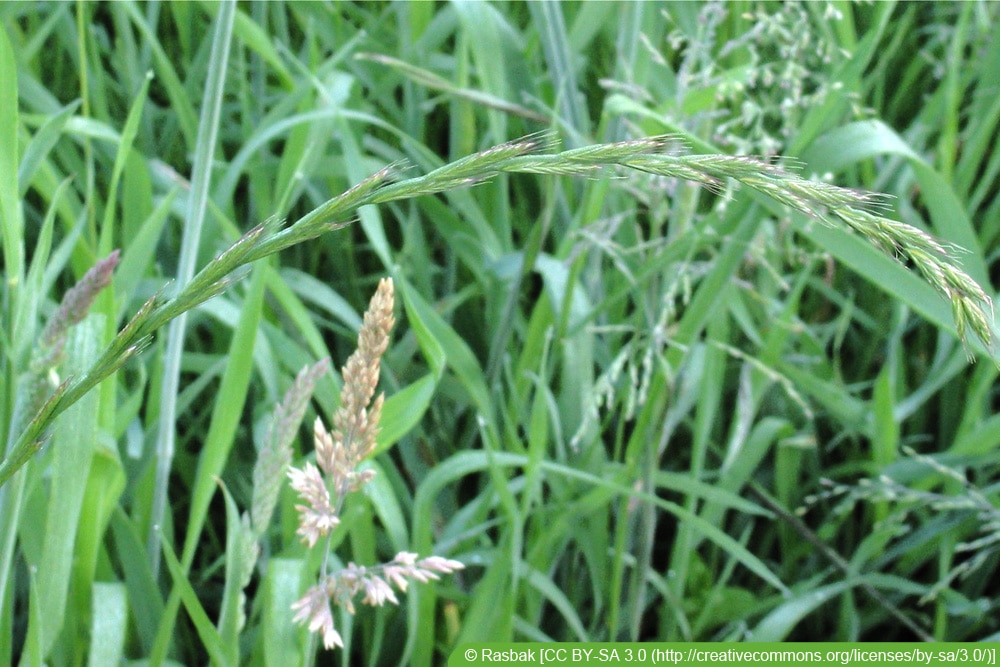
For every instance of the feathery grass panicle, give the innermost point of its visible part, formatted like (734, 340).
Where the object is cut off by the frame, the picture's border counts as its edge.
(34, 388)
(376, 583)
(338, 454)
(356, 426)
(74, 307)
(825, 202)
(314, 609)
(317, 515)
(969, 301)
(276, 453)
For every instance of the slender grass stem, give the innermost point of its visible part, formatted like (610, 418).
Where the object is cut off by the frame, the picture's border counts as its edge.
(208, 130)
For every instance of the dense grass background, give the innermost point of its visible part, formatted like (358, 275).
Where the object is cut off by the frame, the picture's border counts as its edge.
(634, 408)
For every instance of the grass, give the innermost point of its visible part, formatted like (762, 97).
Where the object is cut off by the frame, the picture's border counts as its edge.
(650, 390)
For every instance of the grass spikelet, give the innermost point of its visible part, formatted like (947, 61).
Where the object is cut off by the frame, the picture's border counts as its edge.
(322, 489)
(276, 453)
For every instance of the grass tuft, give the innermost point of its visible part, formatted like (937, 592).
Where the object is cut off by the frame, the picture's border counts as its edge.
(669, 366)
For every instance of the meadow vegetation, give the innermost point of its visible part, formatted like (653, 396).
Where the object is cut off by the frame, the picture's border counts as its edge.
(682, 326)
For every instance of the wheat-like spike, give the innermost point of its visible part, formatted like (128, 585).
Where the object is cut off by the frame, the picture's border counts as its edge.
(355, 428)
(276, 453)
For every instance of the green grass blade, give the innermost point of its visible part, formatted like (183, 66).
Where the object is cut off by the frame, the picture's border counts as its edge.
(73, 449)
(703, 305)
(548, 20)
(124, 148)
(145, 600)
(219, 440)
(209, 636)
(240, 561)
(444, 339)
(320, 294)
(208, 129)
(491, 615)
(491, 55)
(109, 625)
(41, 144)
(257, 39)
(10, 208)
(180, 103)
(403, 411)
(226, 412)
(140, 251)
(886, 442)
(42, 265)
(431, 80)
(371, 218)
(776, 626)
(105, 484)
(281, 638)
(386, 506)
(952, 89)
(33, 653)
(297, 314)
(551, 592)
(891, 276)
(465, 463)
